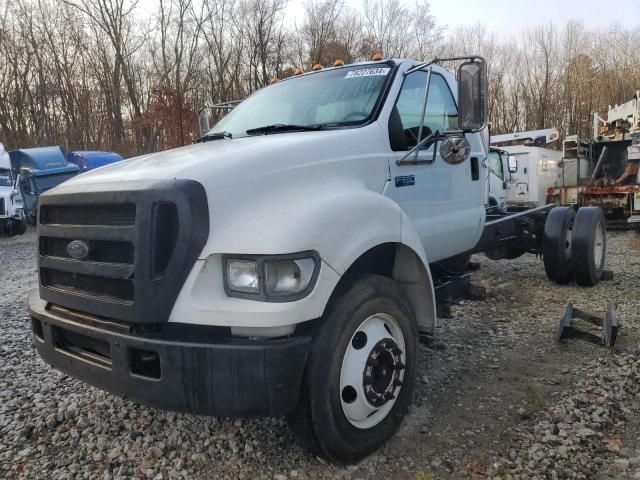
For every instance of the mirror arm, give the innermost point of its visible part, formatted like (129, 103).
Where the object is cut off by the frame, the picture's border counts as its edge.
(446, 59)
(435, 147)
(424, 107)
(402, 160)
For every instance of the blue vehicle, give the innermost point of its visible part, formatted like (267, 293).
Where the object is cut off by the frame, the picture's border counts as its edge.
(41, 169)
(88, 160)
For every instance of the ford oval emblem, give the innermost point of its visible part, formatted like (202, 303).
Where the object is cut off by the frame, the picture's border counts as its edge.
(78, 249)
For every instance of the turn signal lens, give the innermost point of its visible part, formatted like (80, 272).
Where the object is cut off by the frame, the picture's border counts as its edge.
(285, 277)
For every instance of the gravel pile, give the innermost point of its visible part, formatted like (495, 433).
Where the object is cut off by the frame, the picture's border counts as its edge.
(496, 397)
(570, 439)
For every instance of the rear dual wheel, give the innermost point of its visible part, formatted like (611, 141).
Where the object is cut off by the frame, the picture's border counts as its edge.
(360, 374)
(589, 246)
(574, 245)
(557, 244)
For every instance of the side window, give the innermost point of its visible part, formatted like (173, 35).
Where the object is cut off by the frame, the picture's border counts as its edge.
(495, 164)
(441, 113)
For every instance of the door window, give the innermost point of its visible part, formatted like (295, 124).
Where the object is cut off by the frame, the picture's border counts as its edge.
(441, 112)
(495, 164)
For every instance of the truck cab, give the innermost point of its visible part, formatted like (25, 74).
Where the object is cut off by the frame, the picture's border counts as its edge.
(41, 169)
(12, 221)
(280, 266)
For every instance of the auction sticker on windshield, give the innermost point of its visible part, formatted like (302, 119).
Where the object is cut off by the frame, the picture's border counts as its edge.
(367, 72)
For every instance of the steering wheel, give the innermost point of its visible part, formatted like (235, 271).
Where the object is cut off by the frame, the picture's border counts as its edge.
(363, 115)
(412, 133)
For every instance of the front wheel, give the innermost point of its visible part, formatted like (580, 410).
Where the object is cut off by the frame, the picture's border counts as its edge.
(360, 374)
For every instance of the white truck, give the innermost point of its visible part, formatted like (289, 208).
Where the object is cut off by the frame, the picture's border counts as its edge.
(12, 219)
(532, 167)
(284, 264)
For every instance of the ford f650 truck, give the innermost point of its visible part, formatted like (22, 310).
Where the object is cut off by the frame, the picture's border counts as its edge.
(281, 266)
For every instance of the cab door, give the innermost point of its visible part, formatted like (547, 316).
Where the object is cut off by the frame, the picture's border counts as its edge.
(445, 202)
(497, 181)
(518, 188)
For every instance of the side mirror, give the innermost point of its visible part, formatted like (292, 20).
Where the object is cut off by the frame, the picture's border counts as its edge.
(513, 164)
(472, 95)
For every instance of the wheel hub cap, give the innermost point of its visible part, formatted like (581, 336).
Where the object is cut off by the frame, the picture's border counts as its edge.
(372, 371)
(382, 372)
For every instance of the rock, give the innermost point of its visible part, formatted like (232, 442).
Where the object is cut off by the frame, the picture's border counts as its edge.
(621, 464)
(154, 452)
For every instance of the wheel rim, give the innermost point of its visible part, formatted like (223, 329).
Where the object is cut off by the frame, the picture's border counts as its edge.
(567, 242)
(598, 246)
(372, 371)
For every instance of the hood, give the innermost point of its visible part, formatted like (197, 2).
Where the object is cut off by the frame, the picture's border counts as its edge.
(232, 160)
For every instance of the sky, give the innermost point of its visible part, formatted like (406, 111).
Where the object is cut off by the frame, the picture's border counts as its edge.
(509, 17)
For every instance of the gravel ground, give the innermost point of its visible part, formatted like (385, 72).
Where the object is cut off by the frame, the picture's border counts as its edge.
(496, 397)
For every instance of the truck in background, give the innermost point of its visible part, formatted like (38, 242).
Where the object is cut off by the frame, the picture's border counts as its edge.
(12, 218)
(532, 166)
(603, 171)
(40, 169)
(90, 159)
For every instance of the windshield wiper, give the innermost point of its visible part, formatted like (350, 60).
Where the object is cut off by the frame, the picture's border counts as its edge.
(283, 127)
(214, 136)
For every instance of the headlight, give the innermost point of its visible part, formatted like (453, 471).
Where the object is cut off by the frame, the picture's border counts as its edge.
(271, 278)
(242, 276)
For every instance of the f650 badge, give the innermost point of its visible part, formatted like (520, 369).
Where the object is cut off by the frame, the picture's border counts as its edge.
(78, 249)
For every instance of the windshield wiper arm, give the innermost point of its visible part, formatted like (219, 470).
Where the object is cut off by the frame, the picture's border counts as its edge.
(283, 127)
(214, 136)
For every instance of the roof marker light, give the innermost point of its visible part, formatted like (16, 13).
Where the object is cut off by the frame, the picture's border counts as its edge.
(317, 67)
(338, 63)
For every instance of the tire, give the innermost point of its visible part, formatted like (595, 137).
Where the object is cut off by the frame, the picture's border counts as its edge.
(372, 316)
(589, 246)
(557, 244)
(20, 227)
(15, 227)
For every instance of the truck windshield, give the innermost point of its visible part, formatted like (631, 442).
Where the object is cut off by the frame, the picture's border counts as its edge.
(47, 182)
(328, 98)
(5, 177)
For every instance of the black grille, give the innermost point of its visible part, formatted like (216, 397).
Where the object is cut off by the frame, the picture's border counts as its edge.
(99, 250)
(109, 215)
(102, 287)
(2, 211)
(143, 239)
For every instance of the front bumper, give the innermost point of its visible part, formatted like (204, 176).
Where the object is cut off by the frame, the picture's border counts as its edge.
(210, 376)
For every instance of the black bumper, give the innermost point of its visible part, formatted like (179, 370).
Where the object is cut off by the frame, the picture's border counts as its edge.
(228, 377)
